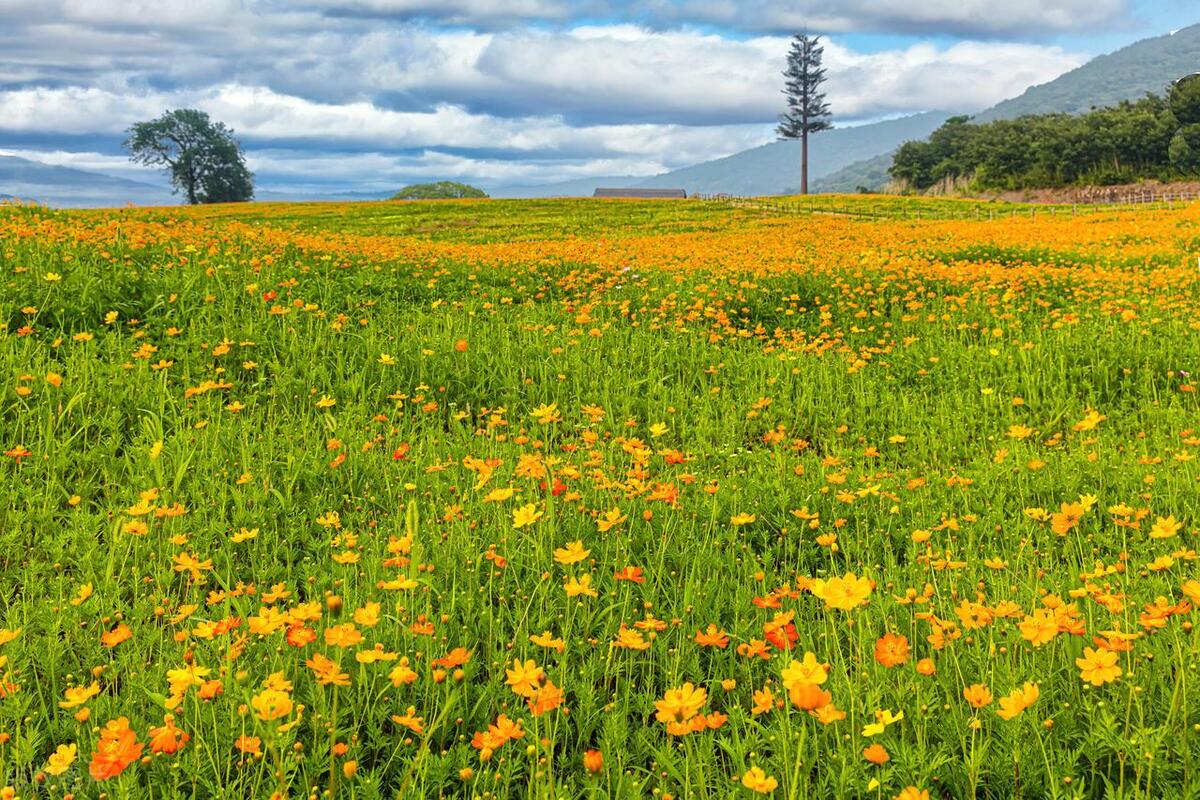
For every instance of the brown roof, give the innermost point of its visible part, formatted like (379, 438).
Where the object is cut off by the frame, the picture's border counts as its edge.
(643, 194)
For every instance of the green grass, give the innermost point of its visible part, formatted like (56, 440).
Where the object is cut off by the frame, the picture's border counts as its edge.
(863, 370)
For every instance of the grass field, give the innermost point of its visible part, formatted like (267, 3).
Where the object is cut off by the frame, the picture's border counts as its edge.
(599, 499)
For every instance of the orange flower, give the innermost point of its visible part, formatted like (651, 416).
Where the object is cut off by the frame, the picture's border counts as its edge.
(712, 637)
(1018, 700)
(977, 695)
(547, 698)
(327, 671)
(680, 705)
(1098, 666)
(117, 635)
(344, 635)
(117, 749)
(758, 781)
(250, 745)
(593, 761)
(169, 738)
(809, 696)
(891, 650)
(876, 754)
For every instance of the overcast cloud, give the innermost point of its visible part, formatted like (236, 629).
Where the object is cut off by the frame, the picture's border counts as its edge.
(358, 92)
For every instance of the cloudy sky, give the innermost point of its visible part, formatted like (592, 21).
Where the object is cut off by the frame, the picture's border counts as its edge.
(371, 94)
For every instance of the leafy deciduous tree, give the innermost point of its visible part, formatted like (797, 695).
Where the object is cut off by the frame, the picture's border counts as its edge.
(201, 157)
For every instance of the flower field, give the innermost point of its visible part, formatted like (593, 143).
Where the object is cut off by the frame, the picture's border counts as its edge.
(605, 500)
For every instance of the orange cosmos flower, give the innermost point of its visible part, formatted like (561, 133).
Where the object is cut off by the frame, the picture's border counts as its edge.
(271, 704)
(978, 695)
(117, 749)
(891, 650)
(1016, 701)
(593, 761)
(712, 637)
(1098, 666)
(680, 705)
(327, 671)
(876, 754)
(117, 635)
(547, 698)
(250, 745)
(169, 738)
(809, 696)
(758, 781)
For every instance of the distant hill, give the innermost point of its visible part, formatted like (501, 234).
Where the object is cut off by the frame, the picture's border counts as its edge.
(775, 168)
(871, 174)
(1149, 65)
(66, 187)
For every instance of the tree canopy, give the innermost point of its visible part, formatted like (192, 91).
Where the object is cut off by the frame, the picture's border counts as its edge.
(1154, 137)
(200, 156)
(442, 190)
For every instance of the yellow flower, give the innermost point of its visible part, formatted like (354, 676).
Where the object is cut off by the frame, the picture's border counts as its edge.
(572, 553)
(78, 695)
(1090, 420)
(580, 586)
(1039, 628)
(526, 515)
(1018, 700)
(808, 671)
(1165, 527)
(845, 593)
(524, 678)
(1098, 666)
(61, 759)
(547, 414)
(368, 615)
(680, 705)
(270, 704)
(612, 518)
(758, 781)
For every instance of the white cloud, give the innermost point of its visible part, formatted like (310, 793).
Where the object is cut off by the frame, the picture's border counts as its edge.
(967, 17)
(497, 95)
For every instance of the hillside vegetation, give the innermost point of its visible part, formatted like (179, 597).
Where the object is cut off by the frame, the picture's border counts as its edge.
(1153, 138)
(442, 190)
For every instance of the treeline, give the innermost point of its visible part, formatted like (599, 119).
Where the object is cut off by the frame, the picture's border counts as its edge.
(1155, 137)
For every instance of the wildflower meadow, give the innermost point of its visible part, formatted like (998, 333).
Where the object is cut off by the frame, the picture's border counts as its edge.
(841, 498)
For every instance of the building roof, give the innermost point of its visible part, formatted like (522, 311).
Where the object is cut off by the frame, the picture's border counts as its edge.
(643, 194)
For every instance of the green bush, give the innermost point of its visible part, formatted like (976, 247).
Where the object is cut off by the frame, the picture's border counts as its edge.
(443, 190)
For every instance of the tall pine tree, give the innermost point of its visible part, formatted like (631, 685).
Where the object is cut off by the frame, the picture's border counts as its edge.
(807, 110)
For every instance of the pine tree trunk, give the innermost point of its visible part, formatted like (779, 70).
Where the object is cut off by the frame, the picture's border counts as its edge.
(804, 162)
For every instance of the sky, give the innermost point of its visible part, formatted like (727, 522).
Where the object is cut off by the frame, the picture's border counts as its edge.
(369, 95)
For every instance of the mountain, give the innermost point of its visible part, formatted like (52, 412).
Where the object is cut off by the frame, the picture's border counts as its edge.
(775, 168)
(1149, 65)
(870, 174)
(66, 187)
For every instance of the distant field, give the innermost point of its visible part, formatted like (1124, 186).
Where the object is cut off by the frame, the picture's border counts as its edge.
(857, 497)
